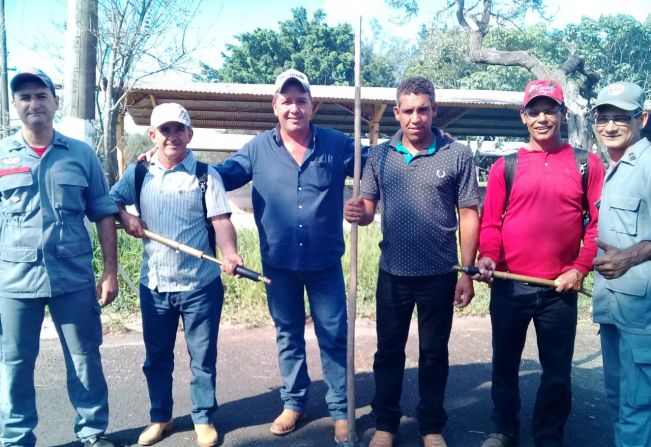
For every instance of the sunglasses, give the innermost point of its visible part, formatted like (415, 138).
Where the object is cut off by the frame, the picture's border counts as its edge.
(619, 120)
(533, 113)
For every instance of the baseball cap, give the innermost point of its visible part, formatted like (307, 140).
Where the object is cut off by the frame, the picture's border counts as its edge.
(543, 87)
(32, 74)
(287, 75)
(169, 112)
(623, 95)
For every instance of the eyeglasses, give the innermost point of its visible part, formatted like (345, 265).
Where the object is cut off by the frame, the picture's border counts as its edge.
(619, 120)
(533, 113)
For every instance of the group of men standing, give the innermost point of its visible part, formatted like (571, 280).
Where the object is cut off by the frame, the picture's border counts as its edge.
(548, 196)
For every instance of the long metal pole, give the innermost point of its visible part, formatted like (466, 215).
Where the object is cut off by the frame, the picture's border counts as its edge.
(352, 284)
(239, 270)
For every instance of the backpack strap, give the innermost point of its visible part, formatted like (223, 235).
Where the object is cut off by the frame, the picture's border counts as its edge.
(201, 171)
(581, 158)
(141, 171)
(510, 163)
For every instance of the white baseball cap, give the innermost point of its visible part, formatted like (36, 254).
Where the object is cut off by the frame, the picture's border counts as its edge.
(169, 112)
(290, 74)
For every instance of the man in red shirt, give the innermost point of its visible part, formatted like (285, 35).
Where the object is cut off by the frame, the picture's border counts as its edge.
(537, 231)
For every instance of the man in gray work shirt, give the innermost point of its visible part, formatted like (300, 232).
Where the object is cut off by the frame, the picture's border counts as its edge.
(48, 184)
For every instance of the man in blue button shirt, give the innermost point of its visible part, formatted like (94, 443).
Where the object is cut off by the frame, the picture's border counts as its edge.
(622, 287)
(48, 184)
(298, 172)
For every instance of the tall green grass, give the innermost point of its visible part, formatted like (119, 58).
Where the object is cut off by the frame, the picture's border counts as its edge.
(245, 301)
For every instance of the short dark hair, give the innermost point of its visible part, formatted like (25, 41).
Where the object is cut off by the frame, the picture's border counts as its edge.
(417, 85)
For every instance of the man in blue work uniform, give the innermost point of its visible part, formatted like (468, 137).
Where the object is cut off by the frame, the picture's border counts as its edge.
(622, 283)
(48, 183)
(298, 172)
(174, 284)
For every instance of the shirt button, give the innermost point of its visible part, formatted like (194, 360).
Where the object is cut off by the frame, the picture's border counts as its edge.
(300, 225)
(300, 189)
(300, 207)
(300, 244)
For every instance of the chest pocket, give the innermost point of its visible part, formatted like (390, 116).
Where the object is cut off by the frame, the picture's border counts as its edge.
(624, 210)
(15, 190)
(320, 174)
(69, 191)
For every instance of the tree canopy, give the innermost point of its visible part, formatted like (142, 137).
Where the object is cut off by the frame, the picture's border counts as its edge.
(324, 53)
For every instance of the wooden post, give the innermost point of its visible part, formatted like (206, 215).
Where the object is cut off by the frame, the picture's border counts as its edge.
(352, 282)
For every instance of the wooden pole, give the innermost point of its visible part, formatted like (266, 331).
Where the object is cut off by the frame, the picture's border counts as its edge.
(515, 277)
(352, 283)
(5, 129)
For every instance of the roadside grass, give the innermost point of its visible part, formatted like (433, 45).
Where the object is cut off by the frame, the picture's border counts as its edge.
(245, 301)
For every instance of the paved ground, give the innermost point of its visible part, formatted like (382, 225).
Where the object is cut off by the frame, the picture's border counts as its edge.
(248, 390)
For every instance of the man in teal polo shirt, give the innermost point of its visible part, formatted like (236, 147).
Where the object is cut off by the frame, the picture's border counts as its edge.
(622, 287)
(428, 188)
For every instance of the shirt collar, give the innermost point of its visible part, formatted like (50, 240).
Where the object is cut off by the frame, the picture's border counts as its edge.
(188, 163)
(279, 140)
(18, 142)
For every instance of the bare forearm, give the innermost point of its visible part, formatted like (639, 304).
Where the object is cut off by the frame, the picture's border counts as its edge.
(468, 235)
(226, 235)
(107, 236)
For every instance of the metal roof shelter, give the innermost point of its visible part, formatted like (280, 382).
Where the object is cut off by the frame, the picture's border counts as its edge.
(248, 107)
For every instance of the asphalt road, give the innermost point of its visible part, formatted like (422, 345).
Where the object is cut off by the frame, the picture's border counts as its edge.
(248, 390)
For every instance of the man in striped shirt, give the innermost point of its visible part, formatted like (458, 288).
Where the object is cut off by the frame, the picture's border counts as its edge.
(175, 284)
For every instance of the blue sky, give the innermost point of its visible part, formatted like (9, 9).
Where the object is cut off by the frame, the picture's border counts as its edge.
(34, 36)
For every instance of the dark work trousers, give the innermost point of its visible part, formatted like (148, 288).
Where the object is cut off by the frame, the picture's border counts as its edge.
(396, 296)
(513, 305)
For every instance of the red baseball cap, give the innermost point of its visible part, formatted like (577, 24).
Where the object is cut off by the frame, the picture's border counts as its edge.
(543, 87)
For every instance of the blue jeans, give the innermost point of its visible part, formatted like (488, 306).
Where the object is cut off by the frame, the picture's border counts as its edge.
(627, 374)
(396, 296)
(513, 306)
(76, 317)
(200, 311)
(327, 299)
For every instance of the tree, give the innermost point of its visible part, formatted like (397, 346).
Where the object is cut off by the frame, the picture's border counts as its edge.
(136, 39)
(476, 20)
(324, 53)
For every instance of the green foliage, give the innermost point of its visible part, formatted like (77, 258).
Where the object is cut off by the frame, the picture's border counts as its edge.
(324, 53)
(619, 46)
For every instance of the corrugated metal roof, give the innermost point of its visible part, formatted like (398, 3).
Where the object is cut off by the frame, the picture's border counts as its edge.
(248, 107)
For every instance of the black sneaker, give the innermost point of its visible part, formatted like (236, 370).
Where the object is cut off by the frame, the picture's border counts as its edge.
(98, 441)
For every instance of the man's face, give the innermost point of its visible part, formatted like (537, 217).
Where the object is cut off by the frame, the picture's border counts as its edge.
(171, 139)
(35, 105)
(415, 115)
(543, 117)
(619, 129)
(293, 107)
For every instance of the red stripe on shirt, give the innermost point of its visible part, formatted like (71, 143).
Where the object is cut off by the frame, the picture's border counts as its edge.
(15, 170)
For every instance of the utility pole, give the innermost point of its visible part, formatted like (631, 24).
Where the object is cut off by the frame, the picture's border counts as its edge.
(4, 91)
(79, 70)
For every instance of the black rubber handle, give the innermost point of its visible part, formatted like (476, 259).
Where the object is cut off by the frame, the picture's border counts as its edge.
(470, 270)
(249, 274)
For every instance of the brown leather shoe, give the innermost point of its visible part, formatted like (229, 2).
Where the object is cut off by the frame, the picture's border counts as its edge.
(207, 435)
(154, 432)
(382, 439)
(434, 440)
(286, 422)
(341, 430)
